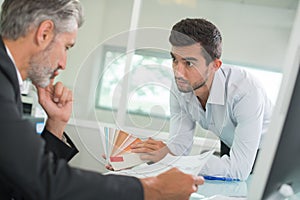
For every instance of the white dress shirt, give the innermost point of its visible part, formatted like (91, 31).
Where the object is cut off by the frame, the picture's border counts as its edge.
(238, 111)
(20, 80)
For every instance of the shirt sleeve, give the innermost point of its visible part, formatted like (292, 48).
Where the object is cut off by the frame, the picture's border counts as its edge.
(182, 127)
(31, 173)
(59, 148)
(248, 112)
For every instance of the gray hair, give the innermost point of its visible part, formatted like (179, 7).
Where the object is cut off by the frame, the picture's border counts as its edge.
(20, 16)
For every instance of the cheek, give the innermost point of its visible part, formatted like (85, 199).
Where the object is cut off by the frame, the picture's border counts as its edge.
(59, 56)
(196, 74)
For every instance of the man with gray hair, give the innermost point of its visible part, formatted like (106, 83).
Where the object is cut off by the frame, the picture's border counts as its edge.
(35, 37)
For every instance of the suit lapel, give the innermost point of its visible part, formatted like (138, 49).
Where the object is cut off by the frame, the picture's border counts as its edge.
(8, 69)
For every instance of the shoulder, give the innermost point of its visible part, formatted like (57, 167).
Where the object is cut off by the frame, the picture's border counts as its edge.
(241, 83)
(7, 89)
(241, 80)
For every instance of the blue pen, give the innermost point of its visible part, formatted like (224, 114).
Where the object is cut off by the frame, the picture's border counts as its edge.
(218, 178)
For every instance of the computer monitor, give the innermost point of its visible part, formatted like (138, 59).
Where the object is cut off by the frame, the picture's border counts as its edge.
(278, 162)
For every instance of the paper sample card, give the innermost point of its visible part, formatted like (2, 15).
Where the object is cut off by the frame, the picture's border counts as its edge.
(187, 164)
(116, 144)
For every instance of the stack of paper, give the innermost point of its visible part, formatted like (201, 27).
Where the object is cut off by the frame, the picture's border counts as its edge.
(187, 164)
(117, 149)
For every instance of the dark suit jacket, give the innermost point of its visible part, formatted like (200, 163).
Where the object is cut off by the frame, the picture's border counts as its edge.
(35, 168)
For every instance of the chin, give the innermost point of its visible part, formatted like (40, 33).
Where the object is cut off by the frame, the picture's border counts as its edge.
(184, 90)
(43, 83)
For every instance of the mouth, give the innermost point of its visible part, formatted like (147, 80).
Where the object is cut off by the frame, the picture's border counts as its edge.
(54, 73)
(181, 81)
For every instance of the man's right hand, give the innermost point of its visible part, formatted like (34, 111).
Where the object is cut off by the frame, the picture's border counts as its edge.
(57, 101)
(171, 185)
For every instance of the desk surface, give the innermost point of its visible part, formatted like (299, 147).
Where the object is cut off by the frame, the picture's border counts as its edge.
(222, 190)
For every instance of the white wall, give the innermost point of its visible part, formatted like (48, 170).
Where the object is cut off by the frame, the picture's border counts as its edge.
(103, 19)
(253, 35)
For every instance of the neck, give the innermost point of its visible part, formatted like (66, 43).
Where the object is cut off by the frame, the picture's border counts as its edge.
(202, 93)
(202, 98)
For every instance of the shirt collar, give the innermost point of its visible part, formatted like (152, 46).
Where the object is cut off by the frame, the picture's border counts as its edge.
(20, 80)
(217, 92)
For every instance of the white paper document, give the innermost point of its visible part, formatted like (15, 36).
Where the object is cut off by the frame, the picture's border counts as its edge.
(187, 164)
(128, 160)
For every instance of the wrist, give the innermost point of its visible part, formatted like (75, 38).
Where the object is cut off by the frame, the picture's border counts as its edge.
(56, 127)
(151, 189)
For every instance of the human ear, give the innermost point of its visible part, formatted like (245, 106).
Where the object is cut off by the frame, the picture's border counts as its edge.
(217, 63)
(45, 33)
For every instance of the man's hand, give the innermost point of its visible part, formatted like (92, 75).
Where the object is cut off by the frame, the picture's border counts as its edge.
(172, 184)
(153, 150)
(57, 102)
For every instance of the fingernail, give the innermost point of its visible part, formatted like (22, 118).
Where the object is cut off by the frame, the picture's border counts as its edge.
(55, 100)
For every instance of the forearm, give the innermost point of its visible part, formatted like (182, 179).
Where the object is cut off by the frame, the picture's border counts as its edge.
(59, 148)
(56, 127)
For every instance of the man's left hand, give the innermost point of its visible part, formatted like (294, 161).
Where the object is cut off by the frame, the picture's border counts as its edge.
(153, 150)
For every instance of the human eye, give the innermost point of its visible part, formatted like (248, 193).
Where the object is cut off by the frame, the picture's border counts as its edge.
(189, 63)
(174, 60)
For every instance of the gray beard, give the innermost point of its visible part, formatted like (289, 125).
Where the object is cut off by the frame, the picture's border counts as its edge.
(40, 76)
(40, 70)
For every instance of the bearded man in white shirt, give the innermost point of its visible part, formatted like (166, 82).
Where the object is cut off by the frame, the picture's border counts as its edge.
(225, 100)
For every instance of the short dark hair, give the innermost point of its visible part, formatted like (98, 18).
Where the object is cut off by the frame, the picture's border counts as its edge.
(190, 31)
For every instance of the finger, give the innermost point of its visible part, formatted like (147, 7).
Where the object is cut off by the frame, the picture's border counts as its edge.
(64, 96)
(194, 188)
(51, 81)
(142, 150)
(199, 180)
(151, 141)
(154, 146)
(58, 92)
(146, 145)
(147, 157)
(44, 93)
(138, 145)
(70, 96)
(159, 144)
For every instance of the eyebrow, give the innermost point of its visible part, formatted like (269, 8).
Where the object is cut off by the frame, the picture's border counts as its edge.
(172, 55)
(190, 59)
(187, 58)
(71, 45)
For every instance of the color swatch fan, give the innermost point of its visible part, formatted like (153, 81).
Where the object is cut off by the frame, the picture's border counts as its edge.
(116, 145)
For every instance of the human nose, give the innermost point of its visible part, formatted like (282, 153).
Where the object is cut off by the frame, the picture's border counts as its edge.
(62, 63)
(179, 68)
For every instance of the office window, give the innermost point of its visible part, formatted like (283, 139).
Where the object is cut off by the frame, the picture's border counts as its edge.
(270, 80)
(149, 80)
